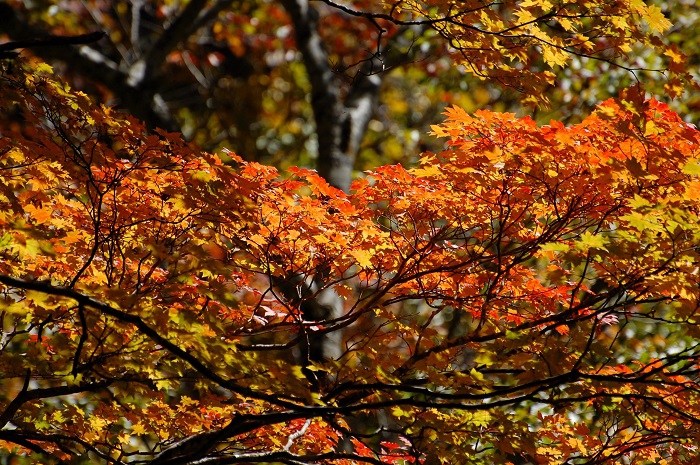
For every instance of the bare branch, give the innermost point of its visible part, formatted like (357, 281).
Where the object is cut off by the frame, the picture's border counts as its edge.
(49, 41)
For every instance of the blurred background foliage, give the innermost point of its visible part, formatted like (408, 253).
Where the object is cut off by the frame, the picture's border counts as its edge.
(238, 81)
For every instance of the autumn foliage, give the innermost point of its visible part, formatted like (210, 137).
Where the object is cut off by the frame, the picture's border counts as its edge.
(519, 44)
(530, 294)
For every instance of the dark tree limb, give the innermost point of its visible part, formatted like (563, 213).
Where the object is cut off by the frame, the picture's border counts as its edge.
(205, 370)
(341, 124)
(17, 402)
(135, 84)
(7, 50)
(16, 437)
(92, 64)
(329, 112)
(26, 395)
(194, 16)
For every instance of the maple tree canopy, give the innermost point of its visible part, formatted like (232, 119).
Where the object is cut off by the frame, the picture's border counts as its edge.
(518, 44)
(346, 85)
(528, 295)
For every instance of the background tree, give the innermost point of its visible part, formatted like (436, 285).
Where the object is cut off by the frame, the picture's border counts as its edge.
(254, 76)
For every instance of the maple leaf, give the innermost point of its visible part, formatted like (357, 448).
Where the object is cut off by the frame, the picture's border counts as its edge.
(655, 18)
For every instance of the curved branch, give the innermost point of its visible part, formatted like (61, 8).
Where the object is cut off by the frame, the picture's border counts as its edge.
(206, 371)
(7, 49)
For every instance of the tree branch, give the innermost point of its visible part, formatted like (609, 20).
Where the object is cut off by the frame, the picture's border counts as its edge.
(206, 371)
(191, 18)
(92, 64)
(7, 49)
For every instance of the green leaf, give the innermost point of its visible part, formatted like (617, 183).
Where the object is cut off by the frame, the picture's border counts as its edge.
(589, 240)
(476, 374)
(692, 167)
(555, 247)
(639, 202)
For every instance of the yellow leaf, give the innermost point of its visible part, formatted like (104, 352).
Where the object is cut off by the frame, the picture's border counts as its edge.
(656, 20)
(639, 221)
(427, 171)
(39, 215)
(606, 112)
(476, 374)
(692, 167)
(43, 68)
(363, 257)
(675, 55)
(554, 247)
(399, 412)
(296, 371)
(693, 191)
(321, 239)
(566, 24)
(257, 239)
(524, 17)
(97, 424)
(639, 202)
(591, 241)
(554, 56)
